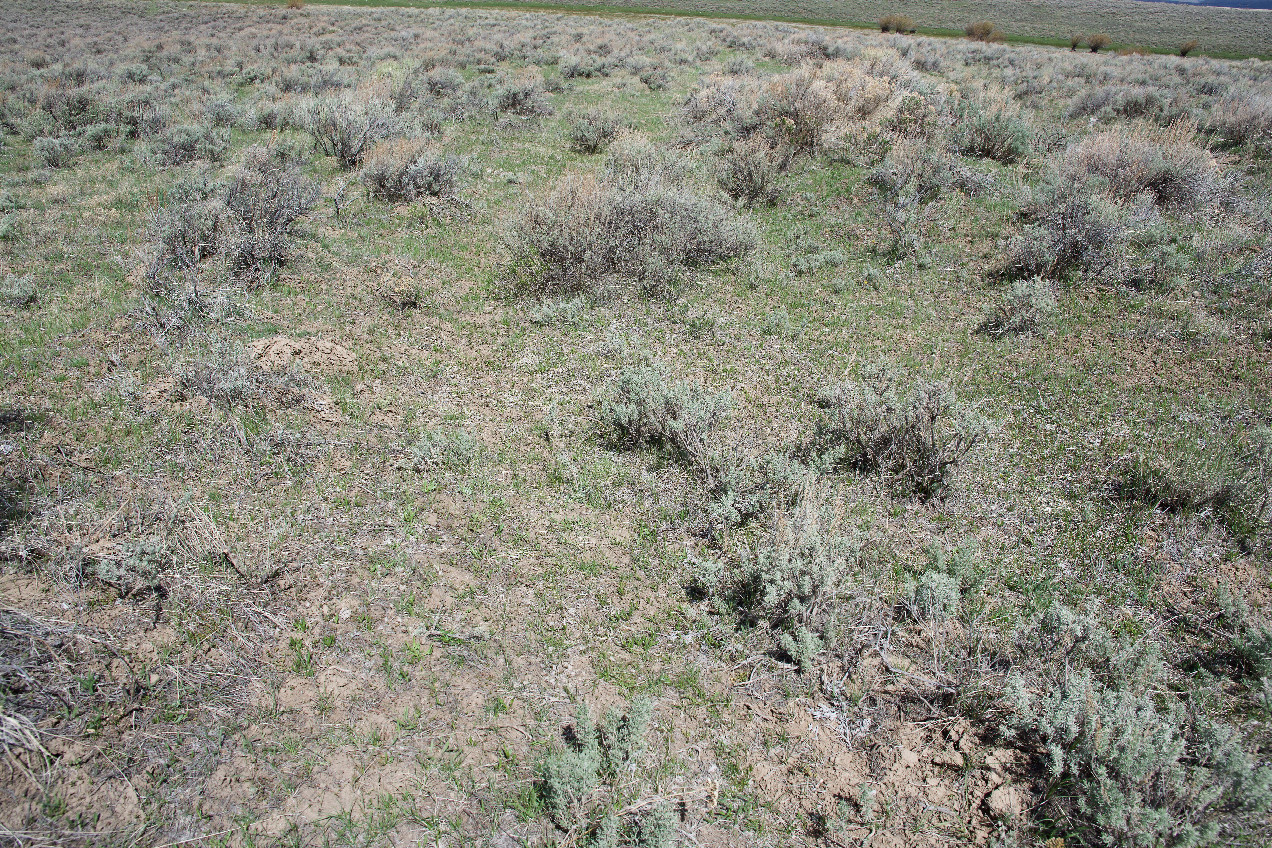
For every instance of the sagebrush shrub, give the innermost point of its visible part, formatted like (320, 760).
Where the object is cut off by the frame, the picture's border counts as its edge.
(643, 220)
(584, 782)
(913, 170)
(995, 134)
(799, 109)
(522, 95)
(1141, 768)
(1027, 305)
(570, 776)
(347, 128)
(59, 152)
(643, 408)
(188, 229)
(935, 596)
(914, 439)
(750, 172)
(409, 170)
(794, 579)
(442, 449)
(184, 143)
(655, 78)
(592, 131)
(70, 109)
(263, 200)
(1165, 163)
(728, 105)
(1071, 229)
(1135, 101)
(1250, 636)
(743, 487)
(97, 136)
(1240, 120)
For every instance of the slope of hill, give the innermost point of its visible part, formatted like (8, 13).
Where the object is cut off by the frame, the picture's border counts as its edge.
(1130, 23)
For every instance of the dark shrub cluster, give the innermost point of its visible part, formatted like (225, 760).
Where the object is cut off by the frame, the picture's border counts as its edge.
(986, 31)
(897, 23)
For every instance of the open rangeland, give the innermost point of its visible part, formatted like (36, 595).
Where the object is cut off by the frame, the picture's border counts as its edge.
(473, 427)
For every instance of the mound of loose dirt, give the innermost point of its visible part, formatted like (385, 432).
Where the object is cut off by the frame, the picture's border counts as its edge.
(279, 353)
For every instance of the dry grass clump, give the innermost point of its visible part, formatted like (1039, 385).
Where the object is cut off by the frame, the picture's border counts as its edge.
(643, 220)
(1165, 163)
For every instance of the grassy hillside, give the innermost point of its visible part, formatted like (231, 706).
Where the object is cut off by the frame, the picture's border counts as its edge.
(475, 427)
(1130, 23)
